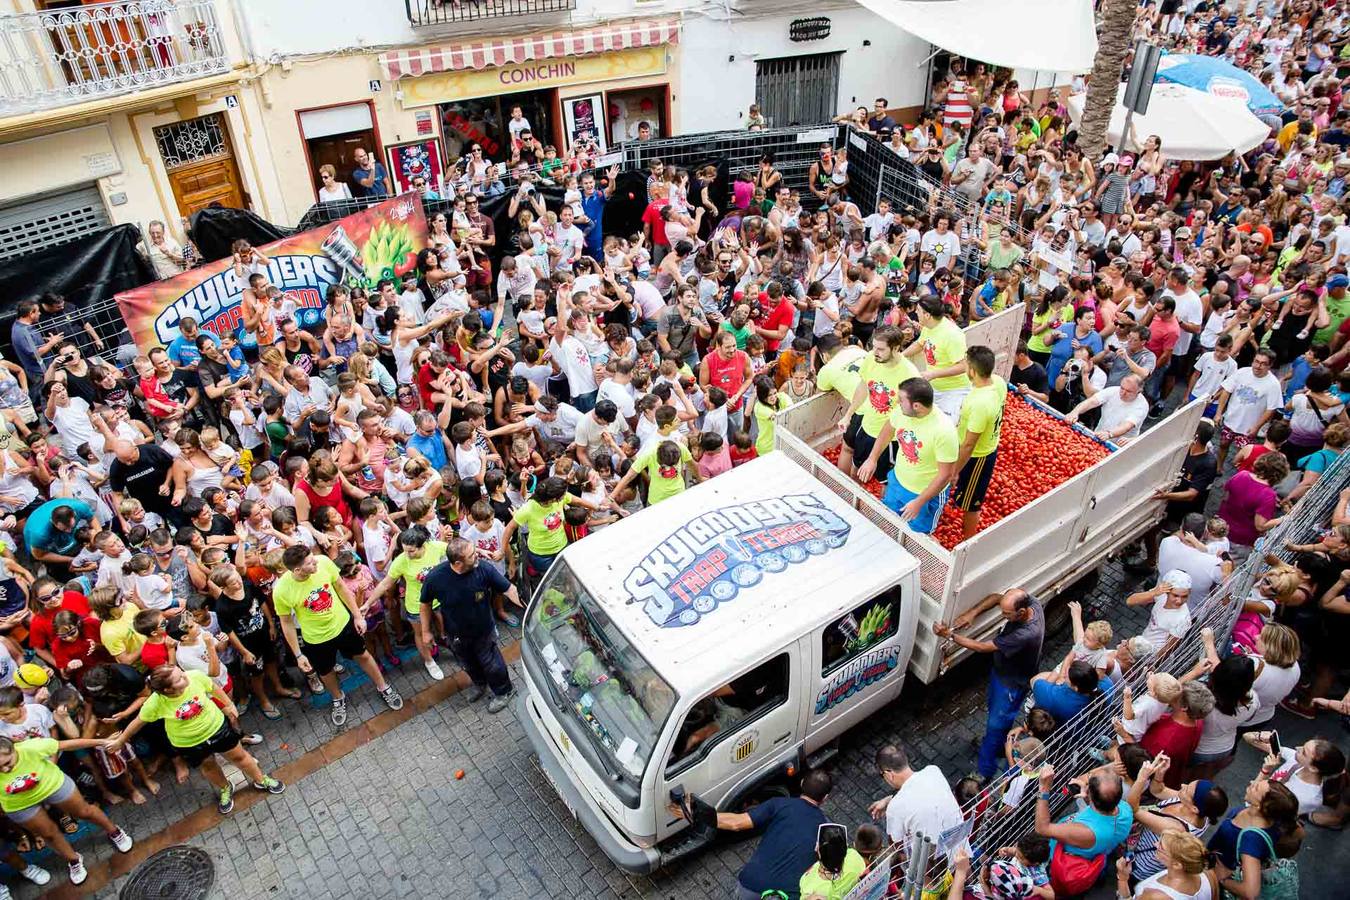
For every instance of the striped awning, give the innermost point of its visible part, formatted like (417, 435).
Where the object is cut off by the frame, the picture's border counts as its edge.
(486, 54)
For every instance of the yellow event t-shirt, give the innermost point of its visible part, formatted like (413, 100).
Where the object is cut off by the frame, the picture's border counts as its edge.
(920, 445)
(545, 523)
(314, 601)
(189, 718)
(841, 373)
(944, 345)
(666, 481)
(413, 571)
(34, 776)
(982, 412)
(883, 389)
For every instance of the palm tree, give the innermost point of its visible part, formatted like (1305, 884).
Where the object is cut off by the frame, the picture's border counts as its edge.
(1113, 43)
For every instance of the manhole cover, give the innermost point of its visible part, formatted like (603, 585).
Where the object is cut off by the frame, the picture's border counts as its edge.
(177, 873)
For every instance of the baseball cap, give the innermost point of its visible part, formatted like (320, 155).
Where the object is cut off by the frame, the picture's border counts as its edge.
(1337, 281)
(1127, 160)
(30, 677)
(1110, 159)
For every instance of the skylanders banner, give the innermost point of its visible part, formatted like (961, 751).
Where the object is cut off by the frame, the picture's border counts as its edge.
(360, 249)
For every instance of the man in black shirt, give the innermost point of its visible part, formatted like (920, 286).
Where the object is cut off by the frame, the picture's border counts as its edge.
(180, 384)
(464, 587)
(215, 529)
(1199, 470)
(1017, 656)
(141, 470)
(1029, 376)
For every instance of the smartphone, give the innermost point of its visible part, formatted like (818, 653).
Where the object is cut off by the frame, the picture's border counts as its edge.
(1275, 743)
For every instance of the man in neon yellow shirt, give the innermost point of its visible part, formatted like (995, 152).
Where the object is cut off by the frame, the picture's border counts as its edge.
(419, 555)
(942, 346)
(310, 596)
(843, 363)
(979, 426)
(926, 448)
(874, 399)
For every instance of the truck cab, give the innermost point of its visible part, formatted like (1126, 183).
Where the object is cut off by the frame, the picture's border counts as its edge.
(710, 644)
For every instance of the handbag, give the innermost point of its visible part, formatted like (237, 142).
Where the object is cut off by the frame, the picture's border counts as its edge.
(1071, 874)
(1279, 880)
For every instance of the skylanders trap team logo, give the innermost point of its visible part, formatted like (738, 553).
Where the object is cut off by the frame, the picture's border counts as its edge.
(858, 675)
(711, 559)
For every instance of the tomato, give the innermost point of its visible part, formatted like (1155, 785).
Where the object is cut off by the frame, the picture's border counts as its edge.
(1037, 453)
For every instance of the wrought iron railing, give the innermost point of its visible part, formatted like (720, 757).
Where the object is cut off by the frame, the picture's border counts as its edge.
(58, 57)
(444, 12)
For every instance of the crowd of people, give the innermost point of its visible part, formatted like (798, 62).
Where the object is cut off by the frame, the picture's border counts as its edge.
(204, 531)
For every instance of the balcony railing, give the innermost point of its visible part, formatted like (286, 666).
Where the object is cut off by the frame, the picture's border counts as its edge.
(445, 12)
(63, 56)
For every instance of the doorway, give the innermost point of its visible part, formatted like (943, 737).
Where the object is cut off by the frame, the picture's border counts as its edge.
(333, 134)
(200, 161)
(632, 107)
(798, 90)
(483, 120)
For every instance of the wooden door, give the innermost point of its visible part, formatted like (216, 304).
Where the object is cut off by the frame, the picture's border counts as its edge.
(198, 185)
(337, 150)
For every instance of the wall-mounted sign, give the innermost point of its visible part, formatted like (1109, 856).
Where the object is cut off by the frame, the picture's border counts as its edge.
(816, 28)
(231, 101)
(376, 85)
(424, 124)
(443, 87)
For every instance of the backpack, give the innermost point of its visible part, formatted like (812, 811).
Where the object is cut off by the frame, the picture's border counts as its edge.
(1279, 880)
(1070, 874)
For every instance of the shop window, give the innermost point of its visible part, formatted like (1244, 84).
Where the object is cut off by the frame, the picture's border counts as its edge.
(723, 712)
(860, 630)
(486, 121)
(628, 109)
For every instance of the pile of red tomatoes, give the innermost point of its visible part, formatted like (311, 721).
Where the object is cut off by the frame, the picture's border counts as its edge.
(1037, 453)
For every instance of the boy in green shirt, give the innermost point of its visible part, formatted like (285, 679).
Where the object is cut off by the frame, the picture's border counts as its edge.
(979, 427)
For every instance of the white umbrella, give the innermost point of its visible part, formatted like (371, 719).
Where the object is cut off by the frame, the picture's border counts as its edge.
(1192, 124)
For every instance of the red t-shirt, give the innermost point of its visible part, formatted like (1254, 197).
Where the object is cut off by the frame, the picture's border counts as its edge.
(652, 216)
(728, 374)
(154, 655)
(1163, 335)
(87, 648)
(1177, 741)
(778, 317)
(40, 625)
(425, 376)
(739, 456)
(1254, 452)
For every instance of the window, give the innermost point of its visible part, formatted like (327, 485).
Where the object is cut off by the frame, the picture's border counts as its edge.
(185, 143)
(725, 710)
(866, 627)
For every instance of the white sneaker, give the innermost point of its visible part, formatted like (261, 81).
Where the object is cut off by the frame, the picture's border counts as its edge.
(78, 873)
(5, 894)
(121, 840)
(36, 874)
(434, 670)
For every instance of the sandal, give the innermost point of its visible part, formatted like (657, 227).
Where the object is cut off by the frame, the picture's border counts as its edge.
(510, 620)
(271, 712)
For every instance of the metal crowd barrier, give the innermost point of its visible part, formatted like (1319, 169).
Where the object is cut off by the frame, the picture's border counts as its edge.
(1068, 748)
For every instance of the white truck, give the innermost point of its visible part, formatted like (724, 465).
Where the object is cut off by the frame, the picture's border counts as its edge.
(726, 637)
(710, 644)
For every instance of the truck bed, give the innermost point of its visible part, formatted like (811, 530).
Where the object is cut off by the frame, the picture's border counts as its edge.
(1043, 547)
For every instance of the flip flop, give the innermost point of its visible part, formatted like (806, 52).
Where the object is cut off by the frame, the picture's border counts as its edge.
(272, 713)
(510, 620)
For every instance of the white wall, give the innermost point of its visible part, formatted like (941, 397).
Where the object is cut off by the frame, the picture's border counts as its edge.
(714, 93)
(284, 28)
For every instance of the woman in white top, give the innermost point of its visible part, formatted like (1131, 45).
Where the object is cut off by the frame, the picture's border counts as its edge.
(403, 338)
(1277, 669)
(330, 188)
(1186, 876)
(194, 470)
(17, 489)
(1314, 771)
(1234, 704)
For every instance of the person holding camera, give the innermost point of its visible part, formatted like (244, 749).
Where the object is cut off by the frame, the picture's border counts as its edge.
(1123, 407)
(1077, 380)
(1131, 357)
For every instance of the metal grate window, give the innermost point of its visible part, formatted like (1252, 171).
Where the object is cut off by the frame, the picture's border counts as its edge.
(184, 143)
(49, 221)
(798, 90)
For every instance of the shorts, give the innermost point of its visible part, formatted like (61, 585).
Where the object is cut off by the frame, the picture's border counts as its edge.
(863, 443)
(1182, 366)
(973, 482)
(323, 656)
(1199, 759)
(63, 793)
(1211, 408)
(262, 647)
(224, 740)
(863, 331)
(114, 762)
(1237, 439)
(896, 496)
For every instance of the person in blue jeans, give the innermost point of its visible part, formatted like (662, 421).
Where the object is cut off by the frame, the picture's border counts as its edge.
(1016, 650)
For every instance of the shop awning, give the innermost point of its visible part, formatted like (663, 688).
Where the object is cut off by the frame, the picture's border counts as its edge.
(487, 54)
(1049, 35)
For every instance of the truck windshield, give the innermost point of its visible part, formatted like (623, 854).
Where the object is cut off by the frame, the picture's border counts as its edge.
(596, 676)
